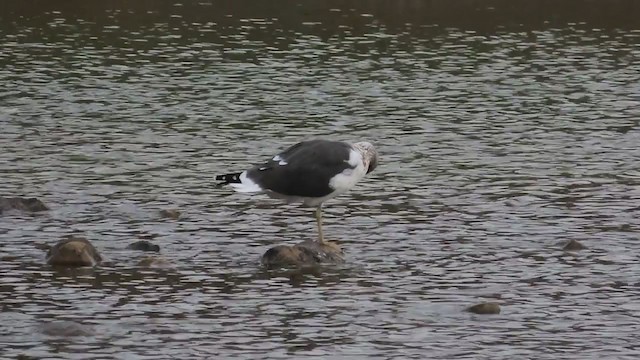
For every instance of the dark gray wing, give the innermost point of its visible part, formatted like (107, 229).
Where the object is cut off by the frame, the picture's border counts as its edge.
(304, 169)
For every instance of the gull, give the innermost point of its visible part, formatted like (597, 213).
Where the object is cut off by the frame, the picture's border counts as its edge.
(310, 172)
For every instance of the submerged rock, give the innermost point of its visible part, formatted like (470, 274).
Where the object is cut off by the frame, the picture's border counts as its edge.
(306, 253)
(154, 262)
(66, 328)
(170, 213)
(573, 245)
(73, 251)
(485, 308)
(144, 245)
(21, 204)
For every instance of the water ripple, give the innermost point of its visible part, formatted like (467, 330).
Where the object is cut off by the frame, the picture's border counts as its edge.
(497, 147)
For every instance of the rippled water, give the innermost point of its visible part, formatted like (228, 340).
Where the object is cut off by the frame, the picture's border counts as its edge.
(498, 144)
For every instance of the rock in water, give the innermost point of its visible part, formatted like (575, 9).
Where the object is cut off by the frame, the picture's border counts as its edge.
(66, 328)
(170, 214)
(154, 262)
(306, 253)
(73, 251)
(573, 245)
(485, 308)
(144, 245)
(21, 204)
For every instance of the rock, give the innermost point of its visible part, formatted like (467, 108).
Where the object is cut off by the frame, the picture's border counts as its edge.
(66, 328)
(573, 245)
(154, 262)
(170, 213)
(144, 245)
(21, 204)
(306, 253)
(485, 308)
(73, 251)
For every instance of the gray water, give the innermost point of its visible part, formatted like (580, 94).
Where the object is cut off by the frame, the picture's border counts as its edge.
(502, 136)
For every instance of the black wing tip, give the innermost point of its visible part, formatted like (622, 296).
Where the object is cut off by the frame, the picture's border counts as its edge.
(225, 179)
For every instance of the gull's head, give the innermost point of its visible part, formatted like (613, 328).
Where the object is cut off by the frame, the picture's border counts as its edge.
(369, 154)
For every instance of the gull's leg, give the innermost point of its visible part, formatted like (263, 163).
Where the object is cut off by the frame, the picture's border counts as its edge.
(319, 220)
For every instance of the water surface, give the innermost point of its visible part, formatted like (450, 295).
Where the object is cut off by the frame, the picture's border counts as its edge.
(504, 132)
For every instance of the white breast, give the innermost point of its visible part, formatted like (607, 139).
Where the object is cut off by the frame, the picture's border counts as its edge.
(246, 185)
(349, 177)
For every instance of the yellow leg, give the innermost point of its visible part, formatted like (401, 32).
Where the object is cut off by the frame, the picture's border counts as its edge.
(319, 220)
